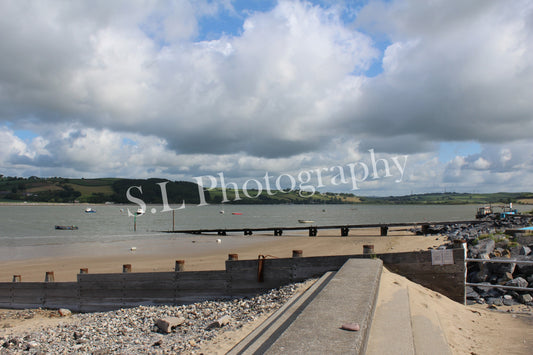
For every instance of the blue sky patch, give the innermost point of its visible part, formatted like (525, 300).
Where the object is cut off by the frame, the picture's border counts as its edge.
(25, 135)
(449, 150)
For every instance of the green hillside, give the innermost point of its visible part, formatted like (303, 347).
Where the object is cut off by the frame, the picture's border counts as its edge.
(451, 198)
(56, 189)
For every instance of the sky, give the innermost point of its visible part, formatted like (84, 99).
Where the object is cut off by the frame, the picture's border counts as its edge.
(239, 89)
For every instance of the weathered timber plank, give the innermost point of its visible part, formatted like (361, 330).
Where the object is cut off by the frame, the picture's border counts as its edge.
(126, 277)
(198, 285)
(5, 291)
(201, 275)
(425, 268)
(101, 293)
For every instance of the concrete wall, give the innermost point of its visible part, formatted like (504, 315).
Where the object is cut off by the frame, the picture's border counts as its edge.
(98, 292)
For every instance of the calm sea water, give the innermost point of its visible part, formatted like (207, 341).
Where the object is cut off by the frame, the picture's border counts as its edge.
(35, 225)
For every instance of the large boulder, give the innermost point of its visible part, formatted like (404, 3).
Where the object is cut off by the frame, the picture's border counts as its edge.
(524, 269)
(483, 247)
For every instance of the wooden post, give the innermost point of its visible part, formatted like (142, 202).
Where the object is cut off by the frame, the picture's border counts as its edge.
(173, 213)
(17, 278)
(368, 249)
(233, 257)
(135, 223)
(180, 265)
(297, 253)
(84, 270)
(126, 268)
(384, 230)
(49, 276)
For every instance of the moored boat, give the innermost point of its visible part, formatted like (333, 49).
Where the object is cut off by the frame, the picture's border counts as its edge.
(70, 228)
(305, 221)
(90, 210)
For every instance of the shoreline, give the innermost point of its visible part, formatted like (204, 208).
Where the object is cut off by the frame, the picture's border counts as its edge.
(474, 328)
(203, 252)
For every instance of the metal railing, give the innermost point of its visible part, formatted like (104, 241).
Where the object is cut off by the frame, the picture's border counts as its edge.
(501, 261)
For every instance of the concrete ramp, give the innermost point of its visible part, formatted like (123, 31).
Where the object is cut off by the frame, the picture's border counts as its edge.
(400, 327)
(313, 326)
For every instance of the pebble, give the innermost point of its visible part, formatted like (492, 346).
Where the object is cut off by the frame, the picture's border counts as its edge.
(354, 327)
(134, 330)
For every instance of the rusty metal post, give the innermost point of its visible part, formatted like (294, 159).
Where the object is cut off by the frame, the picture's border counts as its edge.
(180, 265)
(260, 268)
(49, 276)
(126, 268)
(368, 249)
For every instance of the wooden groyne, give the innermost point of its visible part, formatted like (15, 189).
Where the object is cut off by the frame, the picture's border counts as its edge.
(99, 292)
(313, 229)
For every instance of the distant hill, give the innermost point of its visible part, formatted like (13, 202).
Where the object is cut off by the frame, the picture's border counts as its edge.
(453, 198)
(57, 189)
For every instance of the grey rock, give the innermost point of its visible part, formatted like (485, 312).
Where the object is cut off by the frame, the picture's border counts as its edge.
(222, 321)
(509, 302)
(485, 246)
(496, 301)
(480, 275)
(471, 293)
(504, 268)
(525, 298)
(518, 282)
(524, 250)
(64, 312)
(168, 323)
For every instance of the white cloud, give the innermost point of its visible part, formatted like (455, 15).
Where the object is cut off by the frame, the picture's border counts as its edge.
(287, 93)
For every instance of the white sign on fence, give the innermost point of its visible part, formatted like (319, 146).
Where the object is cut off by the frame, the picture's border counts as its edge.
(442, 257)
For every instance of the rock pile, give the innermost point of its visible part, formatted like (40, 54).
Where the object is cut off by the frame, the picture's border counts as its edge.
(146, 330)
(487, 241)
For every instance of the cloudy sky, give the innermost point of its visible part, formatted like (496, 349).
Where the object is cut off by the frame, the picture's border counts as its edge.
(179, 89)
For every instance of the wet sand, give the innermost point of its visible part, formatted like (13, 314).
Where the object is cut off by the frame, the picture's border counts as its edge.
(200, 252)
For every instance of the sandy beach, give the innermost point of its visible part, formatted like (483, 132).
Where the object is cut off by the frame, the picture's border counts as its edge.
(201, 252)
(468, 329)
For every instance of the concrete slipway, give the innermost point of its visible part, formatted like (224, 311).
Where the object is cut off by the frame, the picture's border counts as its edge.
(311, 323)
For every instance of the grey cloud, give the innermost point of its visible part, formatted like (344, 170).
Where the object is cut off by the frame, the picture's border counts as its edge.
(451, 72)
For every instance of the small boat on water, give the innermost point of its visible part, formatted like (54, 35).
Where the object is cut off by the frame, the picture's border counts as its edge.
(69, 228)
(236, 213)
(305, 221)
(90, 210)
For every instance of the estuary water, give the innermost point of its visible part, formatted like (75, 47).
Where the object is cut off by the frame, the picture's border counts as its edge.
(30, 225)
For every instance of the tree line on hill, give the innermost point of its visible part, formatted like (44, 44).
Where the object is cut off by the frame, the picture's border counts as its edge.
(150, 191)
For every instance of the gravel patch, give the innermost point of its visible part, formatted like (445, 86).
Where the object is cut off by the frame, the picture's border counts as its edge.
(134, 330)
